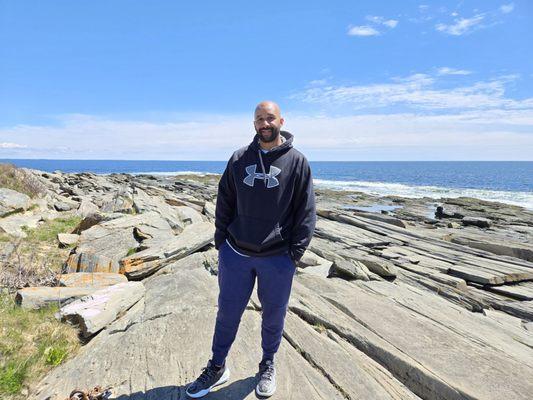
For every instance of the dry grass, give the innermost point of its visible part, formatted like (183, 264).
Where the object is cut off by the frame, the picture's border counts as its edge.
(32, 342)
(36, 259)
(17, 179)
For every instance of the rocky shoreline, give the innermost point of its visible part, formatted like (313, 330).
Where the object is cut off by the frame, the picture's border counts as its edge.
(396, 298)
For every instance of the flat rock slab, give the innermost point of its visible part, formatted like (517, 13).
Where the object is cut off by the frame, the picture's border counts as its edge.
(94, 312)
(91, 279)
(37, 297)
(490, 243)
(490, 277)
(437, 349)
(160, 345)
(521, 291)
(358, 375)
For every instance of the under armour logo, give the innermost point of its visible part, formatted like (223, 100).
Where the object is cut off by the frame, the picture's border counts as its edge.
(272, 181)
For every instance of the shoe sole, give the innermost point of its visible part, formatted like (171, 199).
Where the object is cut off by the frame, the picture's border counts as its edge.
(224, 378)
(265, 394)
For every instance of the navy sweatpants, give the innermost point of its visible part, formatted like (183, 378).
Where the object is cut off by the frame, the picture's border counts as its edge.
(236, 279)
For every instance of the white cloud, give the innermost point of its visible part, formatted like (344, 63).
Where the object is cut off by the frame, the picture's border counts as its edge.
(8, 145)
(498, 134)
(391, 23)
(453, 71)
(460, 26)
(507, 8)
(363, 30)
(419, 91)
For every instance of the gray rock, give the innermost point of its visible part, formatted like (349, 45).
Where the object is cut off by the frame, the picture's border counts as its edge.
(160, 345)
(94, 312)
(64, 206)
(382, 218)
(145, 202)
(102, 246)
(38, 297)
(12, 201)
(158, 253)
(349, 270)
(89, 220)
(453, 350)
(209, 209)
(476, 221)
(189, 215)
(86, 208)
(67, 239)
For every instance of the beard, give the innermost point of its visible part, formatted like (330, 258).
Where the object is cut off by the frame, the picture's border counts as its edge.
(268, 135)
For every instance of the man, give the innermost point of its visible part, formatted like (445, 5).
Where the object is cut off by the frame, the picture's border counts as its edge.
(265, 218)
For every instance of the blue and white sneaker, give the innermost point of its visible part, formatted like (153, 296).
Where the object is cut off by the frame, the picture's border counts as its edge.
(209, 378)
(267, 379)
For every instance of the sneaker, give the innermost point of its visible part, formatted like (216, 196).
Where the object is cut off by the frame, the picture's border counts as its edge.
(209, 378)
(267, 379)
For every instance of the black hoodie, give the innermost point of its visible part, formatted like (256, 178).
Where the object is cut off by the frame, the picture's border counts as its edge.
(266, 202)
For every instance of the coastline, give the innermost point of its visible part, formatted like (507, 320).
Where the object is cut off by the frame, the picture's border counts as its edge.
(387, 286)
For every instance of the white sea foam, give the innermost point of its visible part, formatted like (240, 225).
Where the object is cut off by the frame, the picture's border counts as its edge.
(524, 199)
(172, 173)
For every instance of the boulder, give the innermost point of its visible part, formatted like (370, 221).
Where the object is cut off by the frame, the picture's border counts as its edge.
(86, 208)
(12, 201)
(67, 239)
(94, 312)
(64, 206)
(349, 270)
(441, 213)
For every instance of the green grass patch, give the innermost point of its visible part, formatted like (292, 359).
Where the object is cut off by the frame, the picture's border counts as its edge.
(31, 343)
(48, 231)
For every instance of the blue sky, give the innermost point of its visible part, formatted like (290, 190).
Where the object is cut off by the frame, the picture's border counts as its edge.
(357, 80)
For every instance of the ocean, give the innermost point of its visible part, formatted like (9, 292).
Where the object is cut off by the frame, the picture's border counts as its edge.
(505, 181)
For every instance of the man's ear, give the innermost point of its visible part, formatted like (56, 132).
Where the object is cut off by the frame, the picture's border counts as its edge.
(281, 121)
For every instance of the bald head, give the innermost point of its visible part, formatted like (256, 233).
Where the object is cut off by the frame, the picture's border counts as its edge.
(268, 122)
(268, 106)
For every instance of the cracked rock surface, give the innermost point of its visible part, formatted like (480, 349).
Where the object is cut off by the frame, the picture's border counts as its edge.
(396, 306)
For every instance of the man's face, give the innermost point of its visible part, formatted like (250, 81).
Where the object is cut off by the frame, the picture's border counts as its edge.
(267, 123)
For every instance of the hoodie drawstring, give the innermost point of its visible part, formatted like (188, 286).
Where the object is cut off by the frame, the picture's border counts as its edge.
(262, 166)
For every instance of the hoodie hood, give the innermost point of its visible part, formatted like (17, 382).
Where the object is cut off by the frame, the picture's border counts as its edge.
(285, 145)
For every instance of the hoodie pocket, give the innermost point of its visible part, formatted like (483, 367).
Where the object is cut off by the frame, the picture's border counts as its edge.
(254, 234)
